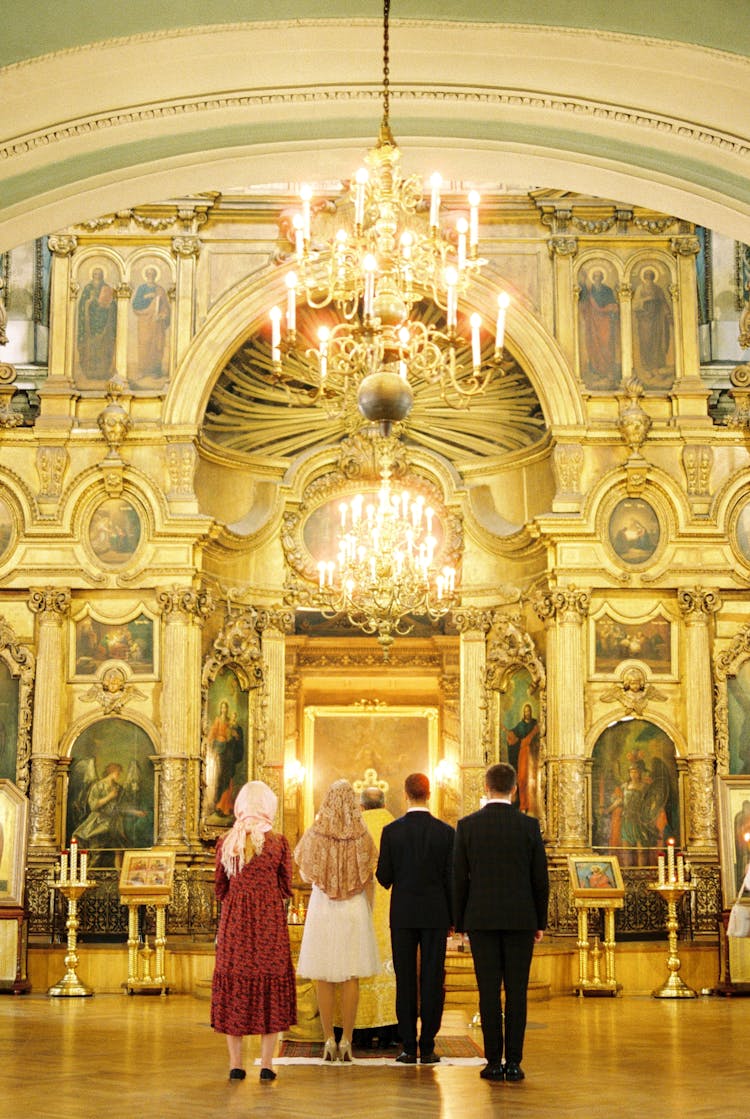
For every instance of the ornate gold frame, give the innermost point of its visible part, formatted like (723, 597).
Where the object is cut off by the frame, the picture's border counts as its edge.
(379, 711)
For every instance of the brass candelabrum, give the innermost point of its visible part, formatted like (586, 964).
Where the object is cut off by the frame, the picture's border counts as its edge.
(674, 987)
(72, 883)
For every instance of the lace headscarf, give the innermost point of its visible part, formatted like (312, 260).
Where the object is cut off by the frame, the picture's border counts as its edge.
(254, 812)
(337, 853)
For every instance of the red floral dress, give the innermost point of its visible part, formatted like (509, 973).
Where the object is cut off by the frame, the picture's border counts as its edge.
(253, 985)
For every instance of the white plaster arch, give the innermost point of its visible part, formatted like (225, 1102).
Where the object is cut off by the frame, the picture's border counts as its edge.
(234, 318)
(183, 110)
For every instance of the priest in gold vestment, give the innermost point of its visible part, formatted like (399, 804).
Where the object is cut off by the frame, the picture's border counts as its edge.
(376, 1012)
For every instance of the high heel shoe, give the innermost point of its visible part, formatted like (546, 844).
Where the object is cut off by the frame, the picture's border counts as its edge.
(330, 1050)
(345, 1052)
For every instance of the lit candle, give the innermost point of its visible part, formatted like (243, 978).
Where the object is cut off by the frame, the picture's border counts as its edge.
(321, 574)
(275, 316)
(299, 237)
(291, 302)
(359, 196)
(73, 861)
(462, 227)
(323, 335)
(306, 195)
(660, 862)
(370, 264)
(329, 570)
(63, 868)
(670, 860)
(84, 866)
(435, 183)
(473, 221)
(451, 279)
(503, 300)
(476, 346)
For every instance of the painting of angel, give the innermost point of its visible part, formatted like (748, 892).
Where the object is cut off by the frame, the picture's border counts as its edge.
(110, 805)
(635, 792)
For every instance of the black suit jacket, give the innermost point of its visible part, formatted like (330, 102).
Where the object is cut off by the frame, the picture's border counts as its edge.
(500, 878)
(416, 855)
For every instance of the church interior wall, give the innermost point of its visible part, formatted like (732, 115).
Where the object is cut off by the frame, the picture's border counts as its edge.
(543, 567)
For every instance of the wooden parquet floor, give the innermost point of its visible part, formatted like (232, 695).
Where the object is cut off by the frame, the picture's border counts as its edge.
(120, 1057)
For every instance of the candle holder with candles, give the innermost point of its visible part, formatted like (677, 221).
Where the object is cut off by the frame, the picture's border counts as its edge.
(672, 885)
(72, 882)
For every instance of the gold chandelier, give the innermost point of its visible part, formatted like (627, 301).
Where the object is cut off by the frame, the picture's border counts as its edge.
(388, 568)
(389, 255)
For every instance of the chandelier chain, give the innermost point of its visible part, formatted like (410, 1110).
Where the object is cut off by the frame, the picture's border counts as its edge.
(386, 68)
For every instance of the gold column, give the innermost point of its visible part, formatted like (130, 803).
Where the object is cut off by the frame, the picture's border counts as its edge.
(563, 249)
(565, 705)
(57, 401)
(697, 606)
(625, 299)
(473, 626)
(186, 250)
(184, 610)
(52, 607)
(690, 393)
(269, 755)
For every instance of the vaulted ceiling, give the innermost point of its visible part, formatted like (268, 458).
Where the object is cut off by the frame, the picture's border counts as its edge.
(106, 106)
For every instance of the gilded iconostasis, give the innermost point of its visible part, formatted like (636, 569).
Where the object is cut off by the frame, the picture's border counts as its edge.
(166, 503)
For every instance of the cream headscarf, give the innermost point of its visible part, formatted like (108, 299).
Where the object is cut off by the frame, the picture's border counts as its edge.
(337, 853)
(254, 812)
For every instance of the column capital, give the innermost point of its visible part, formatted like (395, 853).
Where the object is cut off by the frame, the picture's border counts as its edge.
(698, 603)
(470, 618)
(278, 618)
(569, 605)
(185, 603)
(52, 603)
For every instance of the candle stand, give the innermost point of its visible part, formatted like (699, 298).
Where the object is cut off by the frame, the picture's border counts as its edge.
(674, 987)
(595, 983)
(70, 984)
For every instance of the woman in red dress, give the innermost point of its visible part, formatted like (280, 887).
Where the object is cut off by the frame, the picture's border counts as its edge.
(253, 988)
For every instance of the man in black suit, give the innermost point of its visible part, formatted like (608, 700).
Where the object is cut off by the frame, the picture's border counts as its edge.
(416, 854)
(501, 890)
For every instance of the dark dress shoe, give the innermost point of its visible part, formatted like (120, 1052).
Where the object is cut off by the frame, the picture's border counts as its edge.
(492, 1072)
(267, 1074)
(514, 1071)
(429, 1058)
(406, 1058)
(237, 1074)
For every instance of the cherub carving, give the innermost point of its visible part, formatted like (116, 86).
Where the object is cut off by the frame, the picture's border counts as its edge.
(633, 691)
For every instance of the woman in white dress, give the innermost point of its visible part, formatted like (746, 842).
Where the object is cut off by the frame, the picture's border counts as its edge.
(338, 856)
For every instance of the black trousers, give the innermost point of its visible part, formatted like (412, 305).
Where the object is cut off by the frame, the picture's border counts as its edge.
(420, 988)
(502, 959)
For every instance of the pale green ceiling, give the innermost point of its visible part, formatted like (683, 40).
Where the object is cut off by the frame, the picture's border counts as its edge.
(35, 27)
(114, 104)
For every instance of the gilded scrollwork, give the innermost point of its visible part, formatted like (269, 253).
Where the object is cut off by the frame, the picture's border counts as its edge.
(510, 648)
(633, 691)
(186, 602)
(112, 692)
(697, 604)
(565, 605)
(702, 826)
(21, 665)
(236, 648)
(727, 663)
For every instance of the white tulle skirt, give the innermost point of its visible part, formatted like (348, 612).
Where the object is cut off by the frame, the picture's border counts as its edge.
(338, 941)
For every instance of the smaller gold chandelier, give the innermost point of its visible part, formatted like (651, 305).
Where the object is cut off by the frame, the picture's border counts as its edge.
(387, 570)
(389, 256)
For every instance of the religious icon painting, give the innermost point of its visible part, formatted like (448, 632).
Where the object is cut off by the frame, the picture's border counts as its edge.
(742, 533)
(114, 531)
(6, 528)
(149, 327)
(599, 326)
(96, 324)
(110, 802)
(634, 530)
(653, 326)
(519, 745)
(226, 756)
